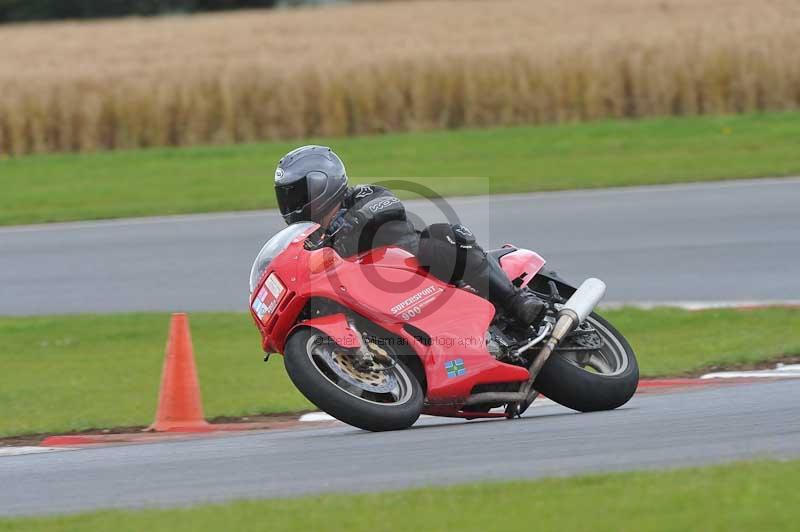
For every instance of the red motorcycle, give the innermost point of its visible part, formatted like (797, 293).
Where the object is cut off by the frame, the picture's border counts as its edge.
(375, 341)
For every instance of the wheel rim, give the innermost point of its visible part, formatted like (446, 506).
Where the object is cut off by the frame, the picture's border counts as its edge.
(385, 387)
(610, 360)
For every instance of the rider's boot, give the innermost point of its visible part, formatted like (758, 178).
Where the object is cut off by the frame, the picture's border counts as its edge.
(521, 305)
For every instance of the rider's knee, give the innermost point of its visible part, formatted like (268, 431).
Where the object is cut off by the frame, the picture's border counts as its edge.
(450, 252)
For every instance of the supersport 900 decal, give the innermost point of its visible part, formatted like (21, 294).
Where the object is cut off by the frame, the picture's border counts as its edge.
(413, 305)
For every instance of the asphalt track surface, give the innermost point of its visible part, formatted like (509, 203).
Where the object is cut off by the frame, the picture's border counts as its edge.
(727, 241)
(710, 425)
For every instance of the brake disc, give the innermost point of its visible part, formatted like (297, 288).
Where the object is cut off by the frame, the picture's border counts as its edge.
(586, 337)
(366, 375)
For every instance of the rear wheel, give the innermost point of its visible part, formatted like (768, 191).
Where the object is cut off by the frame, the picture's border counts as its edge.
(600, 372)
(372, 396)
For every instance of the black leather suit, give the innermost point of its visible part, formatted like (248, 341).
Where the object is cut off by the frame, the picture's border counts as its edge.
(372, 216)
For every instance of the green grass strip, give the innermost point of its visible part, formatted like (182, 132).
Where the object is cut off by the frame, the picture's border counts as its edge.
(79, 372)
(51, 188)
(740, 497)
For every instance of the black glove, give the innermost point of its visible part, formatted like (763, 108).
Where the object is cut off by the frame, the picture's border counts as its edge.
(338, 222)
(345, 231)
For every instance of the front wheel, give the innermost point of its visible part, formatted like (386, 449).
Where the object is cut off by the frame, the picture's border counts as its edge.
(371, 397)
(594, 369)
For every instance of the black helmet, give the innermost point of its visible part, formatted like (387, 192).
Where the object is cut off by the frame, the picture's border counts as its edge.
(309, 182)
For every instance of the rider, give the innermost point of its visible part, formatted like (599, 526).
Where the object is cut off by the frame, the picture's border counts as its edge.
(311, 185)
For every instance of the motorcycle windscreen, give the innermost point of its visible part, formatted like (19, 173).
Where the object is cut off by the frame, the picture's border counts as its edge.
(275, 246)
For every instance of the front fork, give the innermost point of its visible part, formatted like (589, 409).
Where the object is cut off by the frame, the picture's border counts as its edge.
(369, 353)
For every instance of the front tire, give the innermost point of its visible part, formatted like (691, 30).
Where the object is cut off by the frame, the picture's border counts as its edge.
(337, 392)
(588, 383)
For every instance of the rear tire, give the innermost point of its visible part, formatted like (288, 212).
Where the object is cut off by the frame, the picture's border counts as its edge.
(568, 384)
(320, 389)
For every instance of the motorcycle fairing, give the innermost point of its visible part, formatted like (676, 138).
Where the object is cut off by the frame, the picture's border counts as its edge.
(386, 287)
(336, 327)
(522, 264)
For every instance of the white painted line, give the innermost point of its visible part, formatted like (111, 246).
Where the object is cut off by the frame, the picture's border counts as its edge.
(701, 305)
(663, 187)
(126, 222)
(785, 371)
(322, 416)
(543, 401)
(460, 200)
(316, 416)
(17, 451)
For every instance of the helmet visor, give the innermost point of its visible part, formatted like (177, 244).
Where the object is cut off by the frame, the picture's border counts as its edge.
(292, 197)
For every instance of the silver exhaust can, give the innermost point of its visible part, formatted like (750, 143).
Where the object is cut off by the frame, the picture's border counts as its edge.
(573, 313)
(585, 299)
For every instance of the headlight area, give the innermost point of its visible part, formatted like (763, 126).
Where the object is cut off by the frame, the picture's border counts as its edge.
(268, 298)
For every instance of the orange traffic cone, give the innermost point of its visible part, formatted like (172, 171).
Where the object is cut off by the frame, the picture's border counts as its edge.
(179, 405)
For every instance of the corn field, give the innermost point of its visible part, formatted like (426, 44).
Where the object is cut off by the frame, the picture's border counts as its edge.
(384, 67)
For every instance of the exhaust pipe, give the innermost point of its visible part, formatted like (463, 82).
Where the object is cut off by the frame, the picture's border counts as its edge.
(575, 311)
(583, 301)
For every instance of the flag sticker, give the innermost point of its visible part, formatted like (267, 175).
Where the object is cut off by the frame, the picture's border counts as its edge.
(455, 368)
